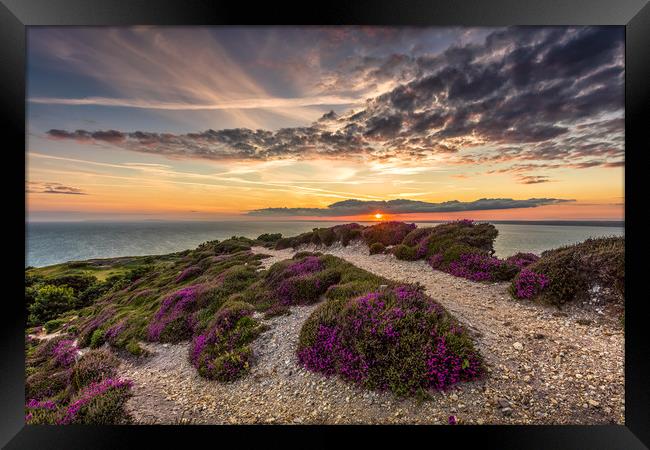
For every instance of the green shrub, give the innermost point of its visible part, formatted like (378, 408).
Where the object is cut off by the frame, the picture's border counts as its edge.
(54, 324)
(405, 252)
(269, 238)
(387, 233)
(49, 302)
(376, 248)
(78, 282)
(572, 271)
(97, 338)
(134, 348)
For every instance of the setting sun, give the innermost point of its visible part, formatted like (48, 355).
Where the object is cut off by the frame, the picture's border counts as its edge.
(378, 216)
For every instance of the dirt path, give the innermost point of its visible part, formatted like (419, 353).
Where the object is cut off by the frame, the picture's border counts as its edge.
(544, 367)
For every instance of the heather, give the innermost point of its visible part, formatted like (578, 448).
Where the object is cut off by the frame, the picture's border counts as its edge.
(63, 388)
(392, 338)
(595, 267)
(222, 352)
(462, 248)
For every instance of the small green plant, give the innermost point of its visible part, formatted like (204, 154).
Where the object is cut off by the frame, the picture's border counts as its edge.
(97, 338)
(134, 348)
(377, 248)
(54, 324)
(405, 252)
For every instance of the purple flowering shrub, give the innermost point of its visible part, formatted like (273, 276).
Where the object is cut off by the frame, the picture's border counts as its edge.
(301, 280)
(100, 403)
(65, 353)
(522, 260)
(480, 267)
(222, 352)
(174, 320)
(528, 284)
(46, 382)
(40, 412)
(396, 339)
(93, 366)
(190, 272)
(62, 388)
(570, 273)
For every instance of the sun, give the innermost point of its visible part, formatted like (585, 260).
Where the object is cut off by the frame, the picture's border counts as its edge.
(379, 216)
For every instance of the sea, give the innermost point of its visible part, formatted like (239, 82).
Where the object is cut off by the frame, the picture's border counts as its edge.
(49, 243)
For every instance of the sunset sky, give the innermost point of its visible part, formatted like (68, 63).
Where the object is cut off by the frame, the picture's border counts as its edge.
(218, 123)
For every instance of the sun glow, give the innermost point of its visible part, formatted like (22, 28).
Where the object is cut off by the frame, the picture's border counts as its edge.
(379, 216)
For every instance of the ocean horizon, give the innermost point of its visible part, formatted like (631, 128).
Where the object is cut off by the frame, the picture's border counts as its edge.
(49, 243)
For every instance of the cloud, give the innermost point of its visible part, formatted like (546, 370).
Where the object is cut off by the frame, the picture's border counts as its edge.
(533, 179)
(402, 206)
(529, 93)
(252, 103)
(42, 187)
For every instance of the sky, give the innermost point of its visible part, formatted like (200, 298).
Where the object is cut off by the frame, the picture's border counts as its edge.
(325, 123)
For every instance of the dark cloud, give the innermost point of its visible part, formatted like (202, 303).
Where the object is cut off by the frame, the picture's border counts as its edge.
(530, 93)
(401, 206)
(533, 179)
(41, 187)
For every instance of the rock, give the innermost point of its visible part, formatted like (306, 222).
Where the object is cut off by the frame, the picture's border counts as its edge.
(593, 403)
(518, 346)
(507, 411)
(503, 403)
(538, 336)
(583, 322)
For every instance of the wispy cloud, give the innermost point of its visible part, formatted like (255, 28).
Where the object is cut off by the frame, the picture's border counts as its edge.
(253, 103)
(43, 187)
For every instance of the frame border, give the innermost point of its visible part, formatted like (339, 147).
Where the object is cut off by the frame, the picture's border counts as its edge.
(16, 15)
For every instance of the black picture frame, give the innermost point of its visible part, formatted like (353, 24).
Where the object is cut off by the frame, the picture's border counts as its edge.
(16, 15)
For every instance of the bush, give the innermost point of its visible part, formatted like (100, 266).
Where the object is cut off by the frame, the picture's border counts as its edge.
(569, 273)
(97, 338)
(135, 348)
(174, 322)
(387, 233)
(522, 260)
(269, 237)
(480, 267)
(78, 282)
(93, 366)
(396, 339)
(46, 383)
(222, 352)
(101, 403)
(376, 248)
(54, 324)
(405, 252)
(49, 302)
(347, 232)
(190, 272)
(40, 412)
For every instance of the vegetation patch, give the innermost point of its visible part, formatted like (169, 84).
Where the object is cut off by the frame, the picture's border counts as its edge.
(223, 351)
(394, 338)
(593, 268)
(62, 388)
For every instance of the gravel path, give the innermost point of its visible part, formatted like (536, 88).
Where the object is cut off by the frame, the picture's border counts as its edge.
(545, 366)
